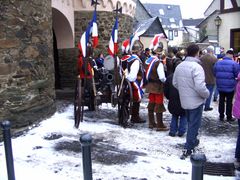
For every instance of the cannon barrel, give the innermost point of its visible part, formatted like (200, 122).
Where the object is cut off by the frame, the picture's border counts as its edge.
(109, 77)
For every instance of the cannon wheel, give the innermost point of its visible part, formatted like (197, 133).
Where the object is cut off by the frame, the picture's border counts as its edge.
(125, 100)
(78, 104)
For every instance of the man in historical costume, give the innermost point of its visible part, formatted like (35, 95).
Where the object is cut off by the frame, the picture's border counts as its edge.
(85, 68)
(145, 55)
(155, 77)
(135, 74)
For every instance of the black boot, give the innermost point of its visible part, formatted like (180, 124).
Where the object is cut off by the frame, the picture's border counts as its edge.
(151, 120)
(135, 113)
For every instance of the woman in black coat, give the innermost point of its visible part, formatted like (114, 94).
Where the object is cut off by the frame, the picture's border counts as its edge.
(178, 122)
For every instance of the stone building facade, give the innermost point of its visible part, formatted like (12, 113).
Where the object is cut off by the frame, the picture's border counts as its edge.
(26, 62)
(38, 50)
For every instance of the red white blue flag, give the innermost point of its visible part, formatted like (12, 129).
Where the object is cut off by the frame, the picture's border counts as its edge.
(155, 41)
(134, 37)
(113, 43)
(94, 29)
(91, 30)
(125, 46)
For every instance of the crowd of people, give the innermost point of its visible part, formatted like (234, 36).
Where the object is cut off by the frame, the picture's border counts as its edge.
(190, 79)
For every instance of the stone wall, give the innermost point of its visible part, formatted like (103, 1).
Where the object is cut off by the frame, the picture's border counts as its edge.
(105, 22)
(26, 62)
(68, 67)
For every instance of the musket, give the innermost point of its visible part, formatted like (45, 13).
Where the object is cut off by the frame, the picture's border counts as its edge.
(123, 77)
(95, 3)
(94, 84)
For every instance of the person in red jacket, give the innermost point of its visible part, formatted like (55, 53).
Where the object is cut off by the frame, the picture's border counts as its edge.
(85, 68)
(81, 68)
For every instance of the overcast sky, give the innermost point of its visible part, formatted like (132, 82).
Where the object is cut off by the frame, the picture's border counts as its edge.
(189, 8)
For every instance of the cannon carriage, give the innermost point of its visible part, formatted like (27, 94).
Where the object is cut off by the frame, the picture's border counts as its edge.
(107, 85)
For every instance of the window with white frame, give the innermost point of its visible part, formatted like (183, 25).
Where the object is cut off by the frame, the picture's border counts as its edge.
(161, 11)
(170, 34)
(175, 33)
(172, 20)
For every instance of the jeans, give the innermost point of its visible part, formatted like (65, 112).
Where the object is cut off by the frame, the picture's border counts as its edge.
(178, 127)
(237, 151)
(221, 106)
(210, 87)
(194, 117)
(216, 93)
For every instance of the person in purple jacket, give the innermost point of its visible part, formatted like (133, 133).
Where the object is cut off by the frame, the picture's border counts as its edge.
(236, 114)
(226, 72)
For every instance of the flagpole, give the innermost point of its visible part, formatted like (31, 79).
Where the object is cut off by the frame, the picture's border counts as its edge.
(89, 53)
(116, 69)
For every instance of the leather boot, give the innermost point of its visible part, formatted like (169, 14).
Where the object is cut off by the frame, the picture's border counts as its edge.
(135, 113)
(160, 125)
(151, 121)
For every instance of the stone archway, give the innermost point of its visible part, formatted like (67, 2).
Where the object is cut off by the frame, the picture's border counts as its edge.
(63, 30)
(63, 33)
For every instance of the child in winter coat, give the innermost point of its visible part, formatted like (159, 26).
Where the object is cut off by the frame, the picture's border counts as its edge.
(236, 113)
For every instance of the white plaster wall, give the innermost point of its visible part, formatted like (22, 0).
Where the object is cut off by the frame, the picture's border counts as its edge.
(212, 7)
(211, 27)
(177, 41)
(238, 2)
(128, 6)
(229, 21)
(193, 33)
(66, 7)
(228, 4)
(147, 41)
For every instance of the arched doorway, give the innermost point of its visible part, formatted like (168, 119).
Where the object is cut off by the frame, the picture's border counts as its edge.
(63, 39)
(56, 63)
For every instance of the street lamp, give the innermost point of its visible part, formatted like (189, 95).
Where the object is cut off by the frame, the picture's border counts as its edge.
(218, 22)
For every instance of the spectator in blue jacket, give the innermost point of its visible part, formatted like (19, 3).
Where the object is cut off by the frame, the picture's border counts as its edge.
(226, 72)
(100, 60)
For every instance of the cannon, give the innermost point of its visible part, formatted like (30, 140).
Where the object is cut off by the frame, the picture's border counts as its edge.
(107, 85)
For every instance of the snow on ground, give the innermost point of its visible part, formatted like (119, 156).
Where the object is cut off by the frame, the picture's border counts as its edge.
(52, 149)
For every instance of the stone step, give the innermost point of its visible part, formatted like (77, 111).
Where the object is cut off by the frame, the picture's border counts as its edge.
(65, 94)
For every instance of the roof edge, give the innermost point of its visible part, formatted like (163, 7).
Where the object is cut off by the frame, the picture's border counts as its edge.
(214, 12)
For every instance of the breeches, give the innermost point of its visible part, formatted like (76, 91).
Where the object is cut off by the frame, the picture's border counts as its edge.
(155, 98)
